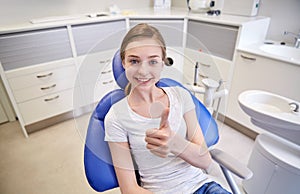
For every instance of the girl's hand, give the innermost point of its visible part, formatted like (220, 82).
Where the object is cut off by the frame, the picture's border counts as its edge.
(158, 140)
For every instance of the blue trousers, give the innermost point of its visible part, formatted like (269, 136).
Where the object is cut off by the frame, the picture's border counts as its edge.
(211, 188)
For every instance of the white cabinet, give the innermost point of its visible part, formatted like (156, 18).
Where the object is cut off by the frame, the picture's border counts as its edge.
(96, 44)
(38, 69)
(42, 91)
(212, 46)
(253, 72)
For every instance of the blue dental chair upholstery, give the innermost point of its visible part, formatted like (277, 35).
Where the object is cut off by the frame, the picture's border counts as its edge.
(97, 159)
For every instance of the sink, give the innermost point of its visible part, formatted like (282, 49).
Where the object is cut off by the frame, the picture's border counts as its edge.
(291, 53)
(270, 111)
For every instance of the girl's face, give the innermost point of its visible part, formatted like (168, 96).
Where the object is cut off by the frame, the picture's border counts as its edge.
(143, 63)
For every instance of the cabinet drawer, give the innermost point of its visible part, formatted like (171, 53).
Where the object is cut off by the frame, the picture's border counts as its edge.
(42, 78)
(94, 92)
(102, 88)
(93, 62)
(171, 29)
(218, 40)
(46, 107)
(22, 49)
(95, 37)
(91, 77)
(42, 90)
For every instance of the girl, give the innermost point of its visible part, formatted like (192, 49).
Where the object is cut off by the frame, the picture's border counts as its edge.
(157, 128)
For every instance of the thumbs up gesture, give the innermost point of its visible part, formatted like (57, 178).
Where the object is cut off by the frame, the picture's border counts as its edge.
(158, 140)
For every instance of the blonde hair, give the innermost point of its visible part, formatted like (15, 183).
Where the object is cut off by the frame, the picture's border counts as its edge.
(138, 32)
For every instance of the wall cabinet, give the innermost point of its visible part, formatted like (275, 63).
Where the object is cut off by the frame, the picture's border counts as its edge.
(253, 72)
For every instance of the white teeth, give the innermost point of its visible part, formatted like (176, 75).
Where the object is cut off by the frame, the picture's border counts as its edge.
(143, 79)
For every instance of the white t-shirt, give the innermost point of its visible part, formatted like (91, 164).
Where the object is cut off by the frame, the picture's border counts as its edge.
(159, 175)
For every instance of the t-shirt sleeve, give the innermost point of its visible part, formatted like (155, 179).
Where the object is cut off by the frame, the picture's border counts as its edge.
(113, 129)
(188, 103)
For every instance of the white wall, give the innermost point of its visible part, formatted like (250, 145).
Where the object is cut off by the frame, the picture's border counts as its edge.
(20, 11)
(284, 14)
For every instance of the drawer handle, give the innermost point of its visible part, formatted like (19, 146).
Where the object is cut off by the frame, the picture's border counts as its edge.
(105, 72)
(206, 65)
(48, 87)
(111, 81)
(50, 99)
(104, 61)
(248, 58)
(203, 76)
(45, 75)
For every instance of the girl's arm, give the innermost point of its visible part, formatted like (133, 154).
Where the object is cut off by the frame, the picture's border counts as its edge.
(124, 168)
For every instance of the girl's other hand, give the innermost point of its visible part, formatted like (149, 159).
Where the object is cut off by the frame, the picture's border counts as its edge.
(158, 140)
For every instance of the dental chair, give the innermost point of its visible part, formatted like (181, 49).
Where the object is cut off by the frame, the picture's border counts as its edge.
(99, 170)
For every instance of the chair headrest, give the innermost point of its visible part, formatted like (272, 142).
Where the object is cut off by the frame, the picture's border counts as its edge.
(119, 71)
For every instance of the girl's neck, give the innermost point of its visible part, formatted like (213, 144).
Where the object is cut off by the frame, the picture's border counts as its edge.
(147, 96)
(148, 103)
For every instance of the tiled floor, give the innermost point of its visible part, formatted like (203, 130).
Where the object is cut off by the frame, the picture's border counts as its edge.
(50, 161)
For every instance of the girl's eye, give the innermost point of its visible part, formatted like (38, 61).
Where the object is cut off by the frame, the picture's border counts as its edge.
(153, 62)
(134, 62)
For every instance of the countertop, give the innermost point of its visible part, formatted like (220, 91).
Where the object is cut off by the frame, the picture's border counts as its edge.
(256, 50)
(174, 13)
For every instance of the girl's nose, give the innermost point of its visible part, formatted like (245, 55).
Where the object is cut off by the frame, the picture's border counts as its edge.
(143, 68)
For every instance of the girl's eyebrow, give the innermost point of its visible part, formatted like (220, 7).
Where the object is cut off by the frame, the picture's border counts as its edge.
(133, 56)
(153, 56)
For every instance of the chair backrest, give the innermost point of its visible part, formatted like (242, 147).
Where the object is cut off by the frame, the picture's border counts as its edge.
(97, 159)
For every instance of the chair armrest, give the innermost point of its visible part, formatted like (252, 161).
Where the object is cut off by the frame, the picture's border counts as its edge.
(230, 163)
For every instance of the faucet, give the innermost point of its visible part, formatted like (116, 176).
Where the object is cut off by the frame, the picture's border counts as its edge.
(297, 38)
(296, 106)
